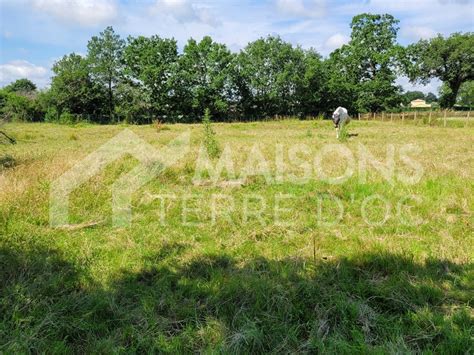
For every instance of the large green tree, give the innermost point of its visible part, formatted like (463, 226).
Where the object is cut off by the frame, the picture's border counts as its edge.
(73, 90)
(409, 96)
(105, 57)
(311, 96)
(21, 86)
(449, 59)
(341, 85)
(466, 94)
(153, 62)
(18, 107)
(269, 73)
(368, 62)
(133, 104)
(430, 97)
(203, 78)
(18, 101)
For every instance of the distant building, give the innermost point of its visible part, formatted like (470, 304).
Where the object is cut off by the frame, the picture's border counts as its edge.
(419, 103)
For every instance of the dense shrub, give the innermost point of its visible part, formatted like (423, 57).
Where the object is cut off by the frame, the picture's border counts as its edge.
(18, 108)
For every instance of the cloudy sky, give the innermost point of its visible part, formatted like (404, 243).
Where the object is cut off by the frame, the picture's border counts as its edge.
(35, 33)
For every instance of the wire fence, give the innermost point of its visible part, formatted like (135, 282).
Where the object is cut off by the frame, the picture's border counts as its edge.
(433, 118)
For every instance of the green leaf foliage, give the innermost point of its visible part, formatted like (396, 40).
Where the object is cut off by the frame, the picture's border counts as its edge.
(143, 79)
(448, 59)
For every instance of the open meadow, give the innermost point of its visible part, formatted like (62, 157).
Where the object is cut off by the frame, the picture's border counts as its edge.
(290, 259)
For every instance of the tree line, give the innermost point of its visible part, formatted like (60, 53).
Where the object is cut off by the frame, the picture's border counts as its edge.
(141, 79)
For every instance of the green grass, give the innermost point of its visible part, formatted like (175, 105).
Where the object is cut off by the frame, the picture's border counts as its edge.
(236, 286)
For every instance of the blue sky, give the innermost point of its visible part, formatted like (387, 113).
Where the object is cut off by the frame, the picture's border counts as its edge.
(35, 33)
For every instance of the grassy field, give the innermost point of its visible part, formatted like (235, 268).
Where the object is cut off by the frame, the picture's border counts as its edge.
(296, 280)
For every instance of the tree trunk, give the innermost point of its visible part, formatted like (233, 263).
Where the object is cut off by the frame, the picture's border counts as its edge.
(111, 104)
(450, 99)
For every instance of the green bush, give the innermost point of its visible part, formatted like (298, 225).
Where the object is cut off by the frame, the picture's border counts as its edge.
(51, 115)
(23, 85)
(68, 118)
(21, 106)
(18, 108)
(3, 99)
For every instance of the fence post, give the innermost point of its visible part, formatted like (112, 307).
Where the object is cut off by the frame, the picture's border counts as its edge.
(373, 116)
(391, 116)
(445, 112)
(358, 116)
(414, 118)
(403, 117)
(429, 119)
(383, 114)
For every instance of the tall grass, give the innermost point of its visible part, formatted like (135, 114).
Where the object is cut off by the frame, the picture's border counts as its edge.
(234, 286)
(210, 141)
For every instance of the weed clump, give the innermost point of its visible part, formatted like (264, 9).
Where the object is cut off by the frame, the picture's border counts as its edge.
(343, 135)
(7, 161)
(210, 141)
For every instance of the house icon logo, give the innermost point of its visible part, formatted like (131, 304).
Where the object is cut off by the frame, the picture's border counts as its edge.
(152, 162)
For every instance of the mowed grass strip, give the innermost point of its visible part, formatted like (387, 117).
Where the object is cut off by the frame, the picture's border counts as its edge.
(236, 283)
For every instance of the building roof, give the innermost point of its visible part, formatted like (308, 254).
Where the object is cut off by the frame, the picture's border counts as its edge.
(419, 103)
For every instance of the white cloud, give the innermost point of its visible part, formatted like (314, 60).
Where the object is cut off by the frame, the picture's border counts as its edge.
(302, 8)
(418, 32)
(425, 18)
(18, 69)
(418, 6)
(292, 7)
(323, 25)
(184, 11)
(418, 18)
(336, 41)
(82, 12)
(181, 10)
